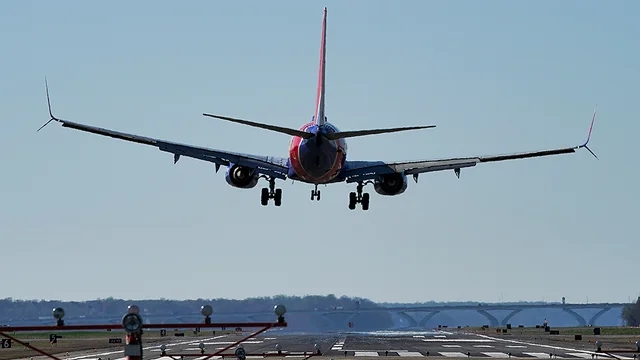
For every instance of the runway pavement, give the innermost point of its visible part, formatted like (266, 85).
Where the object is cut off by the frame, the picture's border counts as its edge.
(448, 345)
(438, 344)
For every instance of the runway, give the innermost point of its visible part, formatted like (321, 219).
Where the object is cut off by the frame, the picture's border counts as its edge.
(436, 344)
(448, 345)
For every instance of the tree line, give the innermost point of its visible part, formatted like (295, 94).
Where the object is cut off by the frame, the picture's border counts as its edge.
(631, 313)
(12, 309)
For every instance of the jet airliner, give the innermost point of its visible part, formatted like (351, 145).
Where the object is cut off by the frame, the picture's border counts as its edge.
(317, 154)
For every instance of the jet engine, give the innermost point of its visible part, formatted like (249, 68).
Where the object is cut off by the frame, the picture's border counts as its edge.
(390, 184)
(241, 177)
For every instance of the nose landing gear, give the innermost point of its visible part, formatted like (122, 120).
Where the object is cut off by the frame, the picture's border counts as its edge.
(358, 197)
(315, 194)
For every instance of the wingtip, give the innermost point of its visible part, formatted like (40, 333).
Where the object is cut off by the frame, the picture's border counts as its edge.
(51, 117)
(593, 120)
(592, 153)
(585, 145)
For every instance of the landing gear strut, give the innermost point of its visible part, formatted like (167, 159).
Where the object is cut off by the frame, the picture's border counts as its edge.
(359, 198)
(271, 193)
(315, 194)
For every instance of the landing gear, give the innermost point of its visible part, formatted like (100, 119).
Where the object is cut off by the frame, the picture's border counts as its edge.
(315, 194)
(359, 197)
(271, 193)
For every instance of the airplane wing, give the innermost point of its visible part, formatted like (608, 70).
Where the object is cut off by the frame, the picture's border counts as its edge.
(365, 170)
(267, 165)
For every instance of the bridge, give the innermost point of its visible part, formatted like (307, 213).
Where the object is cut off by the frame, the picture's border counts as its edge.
(483, 309)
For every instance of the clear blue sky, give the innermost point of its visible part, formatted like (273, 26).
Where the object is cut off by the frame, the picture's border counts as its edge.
(80, 214)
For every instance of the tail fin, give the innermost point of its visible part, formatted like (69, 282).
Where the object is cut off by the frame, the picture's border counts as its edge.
(320, 116)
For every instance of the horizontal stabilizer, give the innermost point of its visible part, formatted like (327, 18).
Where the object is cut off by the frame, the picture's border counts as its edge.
(356, 133)
(283, 130)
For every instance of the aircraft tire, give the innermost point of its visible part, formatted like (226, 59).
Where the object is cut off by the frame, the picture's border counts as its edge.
(277, 200)
(365, 201)
(352, 200)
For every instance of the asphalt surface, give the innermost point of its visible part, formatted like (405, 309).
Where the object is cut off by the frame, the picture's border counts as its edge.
(441, 345)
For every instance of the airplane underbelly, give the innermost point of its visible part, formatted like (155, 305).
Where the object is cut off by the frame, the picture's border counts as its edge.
(315, 163)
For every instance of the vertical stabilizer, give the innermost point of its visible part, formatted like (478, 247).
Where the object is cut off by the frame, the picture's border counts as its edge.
(320, 115)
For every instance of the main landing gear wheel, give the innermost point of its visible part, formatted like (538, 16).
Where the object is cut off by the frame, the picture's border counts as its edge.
(271, 193)
(358, 197)
(315, 194)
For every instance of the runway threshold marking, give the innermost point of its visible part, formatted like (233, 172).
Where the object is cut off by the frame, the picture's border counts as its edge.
(582, 355)
(453, 354)
(366, 353)
(458, 340)
(148, 348)
(548, 347)
(339, 344)
(409, 353)
(539, 355)
(496, 354)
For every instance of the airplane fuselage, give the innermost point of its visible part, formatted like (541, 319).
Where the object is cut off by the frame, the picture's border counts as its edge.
(317, 160)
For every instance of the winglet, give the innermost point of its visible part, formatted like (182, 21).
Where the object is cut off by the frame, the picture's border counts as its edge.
(593, 119)
(51, 117)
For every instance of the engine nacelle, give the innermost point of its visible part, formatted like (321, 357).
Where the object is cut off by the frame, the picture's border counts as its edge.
(390, 184)
(241, 177)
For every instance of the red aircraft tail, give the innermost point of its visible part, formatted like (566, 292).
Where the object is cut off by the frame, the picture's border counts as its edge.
(319, 115)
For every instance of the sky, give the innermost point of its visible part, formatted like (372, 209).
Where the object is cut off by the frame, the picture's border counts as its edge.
(85, 217)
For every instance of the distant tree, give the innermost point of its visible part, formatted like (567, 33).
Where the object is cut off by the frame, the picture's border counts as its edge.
(631, 313)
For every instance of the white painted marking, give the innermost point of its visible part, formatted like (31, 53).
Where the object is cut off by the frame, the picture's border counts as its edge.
(459, 340)
(483, 346)
(450, 346)
(270, 338)
(366, 353)
(539, 355)
(338, 345)
(409, 353)
(496, 354)
(582, 355)
(439, 336)
(516, 346)
(546, 346)
(418, 336)
(453, 354)
(87, 357)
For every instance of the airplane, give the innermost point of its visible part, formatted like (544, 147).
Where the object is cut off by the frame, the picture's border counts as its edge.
(317, 154)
